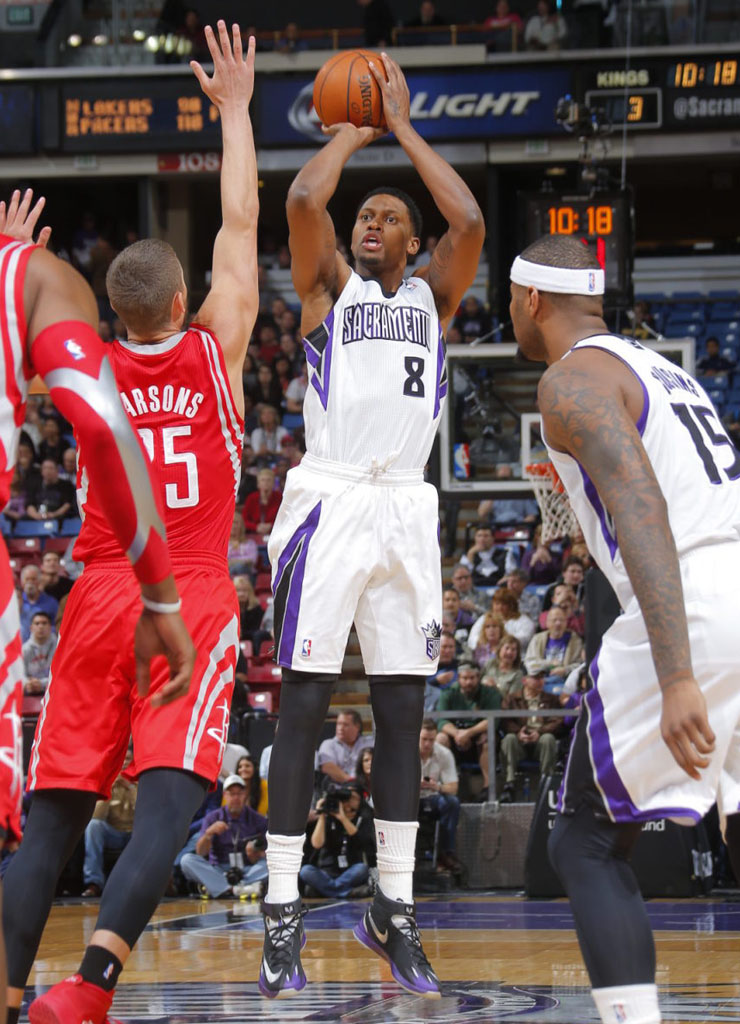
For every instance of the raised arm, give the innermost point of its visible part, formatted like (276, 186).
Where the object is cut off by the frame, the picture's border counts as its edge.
(231, 305)
(454, 262)
(319, 271)
(584, 412)
(65, 350)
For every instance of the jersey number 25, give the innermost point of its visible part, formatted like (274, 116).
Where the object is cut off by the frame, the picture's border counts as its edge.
(169, 457)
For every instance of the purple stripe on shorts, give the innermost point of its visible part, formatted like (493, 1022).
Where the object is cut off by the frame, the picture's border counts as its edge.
(593, 496)
(300, 540)
(618, 800)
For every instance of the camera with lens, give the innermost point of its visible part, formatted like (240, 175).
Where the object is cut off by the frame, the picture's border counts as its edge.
(334, 796)
(259, 843)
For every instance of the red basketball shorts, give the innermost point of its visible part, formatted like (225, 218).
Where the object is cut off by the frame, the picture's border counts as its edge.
(92, 705)
(11, 695)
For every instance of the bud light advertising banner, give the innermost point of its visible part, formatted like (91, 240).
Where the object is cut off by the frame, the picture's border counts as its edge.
(481, 104)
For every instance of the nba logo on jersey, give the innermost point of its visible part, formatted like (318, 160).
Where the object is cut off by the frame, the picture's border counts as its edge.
(432, 633)
(306, 649)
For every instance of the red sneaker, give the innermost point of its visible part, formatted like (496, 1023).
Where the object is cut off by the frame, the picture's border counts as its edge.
(72, 1001)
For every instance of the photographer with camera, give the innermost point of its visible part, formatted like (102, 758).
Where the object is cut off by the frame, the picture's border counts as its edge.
(229, 858)
(344, 841)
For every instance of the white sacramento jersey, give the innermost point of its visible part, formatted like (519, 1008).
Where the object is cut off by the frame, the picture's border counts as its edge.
(377, 379)
(694, 460)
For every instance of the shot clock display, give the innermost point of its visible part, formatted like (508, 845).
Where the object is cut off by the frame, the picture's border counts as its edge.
(603, 220)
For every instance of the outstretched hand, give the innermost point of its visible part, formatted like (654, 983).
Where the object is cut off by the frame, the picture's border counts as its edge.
(395, 91)
(18, 219)
(233, 77)
(685, 727)
(167, 635)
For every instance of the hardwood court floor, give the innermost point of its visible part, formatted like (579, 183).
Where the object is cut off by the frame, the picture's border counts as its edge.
(500, 957)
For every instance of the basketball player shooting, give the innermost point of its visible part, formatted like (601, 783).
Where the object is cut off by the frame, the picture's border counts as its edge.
(47, 327)
(182, 391)
(356, 535)
(654, 481)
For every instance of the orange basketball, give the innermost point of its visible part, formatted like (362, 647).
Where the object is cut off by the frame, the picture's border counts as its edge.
(345, 90)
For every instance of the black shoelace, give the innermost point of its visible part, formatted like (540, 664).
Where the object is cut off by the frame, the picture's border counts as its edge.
(281, 939)
(410, 930)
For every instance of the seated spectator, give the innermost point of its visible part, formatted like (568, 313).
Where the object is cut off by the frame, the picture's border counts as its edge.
(251, 613)
(296, 392)
(491, 632)
(52, 581)
(505, 604)
(32, 428)
(462, 621)
(109, 829)
(248, 482)
(643, 322)
(290, 41)
(248, 772)
(545, 30)
(572, 576)
(533, 736)
(261, 506)
(439, 785)
(343, 839)
(467, 737)
(265, 440)
(338, 755)
(242, 553)
(25, 465)
(53, 445)
(529, 603)
(16, 507)
(556, 651)
(427, 17)
(281, 366)
(51, 498)
(541, 562)
(229, 856)
(506, 25)
(508, 512)
(425, 255)
(68, 471)
(713, 363)
(505, 673)
(471, 599)
(377, 22)
(37, 653)
(487, 560)
(33, 599)
(293, 352)
(291, 453)
(564, 597)
(363, 774)
(249, 375)
(473, 321)
(267, 390)
(446, 674)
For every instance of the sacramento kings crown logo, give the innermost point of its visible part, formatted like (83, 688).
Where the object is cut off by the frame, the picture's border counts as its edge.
(432, 633)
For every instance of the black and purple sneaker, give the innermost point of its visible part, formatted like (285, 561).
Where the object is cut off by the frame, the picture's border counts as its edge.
(389, 929)
(281, 973)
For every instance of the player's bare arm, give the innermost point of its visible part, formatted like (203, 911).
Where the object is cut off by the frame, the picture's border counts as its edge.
(589, 410)
(454, 262)
(319, 271)
(55, 294)
(230, 308)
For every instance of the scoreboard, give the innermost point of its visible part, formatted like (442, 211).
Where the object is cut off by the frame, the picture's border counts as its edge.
(137, 115)
(604, 220)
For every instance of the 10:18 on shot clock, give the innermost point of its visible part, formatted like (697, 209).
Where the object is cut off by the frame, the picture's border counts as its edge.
(604, 220)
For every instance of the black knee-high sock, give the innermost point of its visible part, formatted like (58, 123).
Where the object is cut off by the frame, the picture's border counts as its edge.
(55, 823)
(398, 710)
(614, 933)
(732, 840)
(304, 702)
(165, 804)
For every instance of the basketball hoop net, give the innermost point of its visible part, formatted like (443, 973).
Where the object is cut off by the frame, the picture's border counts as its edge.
(558, 518)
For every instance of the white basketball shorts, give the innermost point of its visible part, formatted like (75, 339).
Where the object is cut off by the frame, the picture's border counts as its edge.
(633, 770)
(352, 545)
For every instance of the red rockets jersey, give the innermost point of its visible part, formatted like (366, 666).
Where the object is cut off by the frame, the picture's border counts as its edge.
(177, 396)
(15, 369)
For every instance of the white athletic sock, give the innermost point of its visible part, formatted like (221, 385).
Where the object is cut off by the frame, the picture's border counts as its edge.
(396, 843)
(628, 1004)
(284, 856)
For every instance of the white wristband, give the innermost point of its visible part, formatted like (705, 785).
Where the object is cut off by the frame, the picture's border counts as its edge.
(159, 608)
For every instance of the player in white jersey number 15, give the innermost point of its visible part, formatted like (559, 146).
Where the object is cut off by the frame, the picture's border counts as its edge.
(356, 535)
(655, 483)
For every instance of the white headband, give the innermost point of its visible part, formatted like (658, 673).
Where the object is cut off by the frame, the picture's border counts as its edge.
(565, 280)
